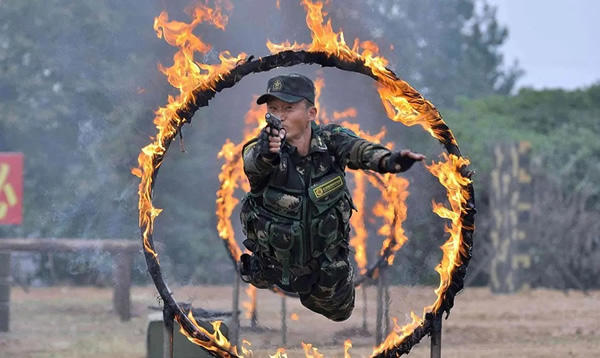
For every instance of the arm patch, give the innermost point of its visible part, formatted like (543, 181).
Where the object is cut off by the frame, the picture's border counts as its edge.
(249, 146)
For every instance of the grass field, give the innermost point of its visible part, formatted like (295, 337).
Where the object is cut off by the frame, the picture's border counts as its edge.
(73, 322)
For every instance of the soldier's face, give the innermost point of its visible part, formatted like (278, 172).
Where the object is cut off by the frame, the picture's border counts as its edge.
(295, 117)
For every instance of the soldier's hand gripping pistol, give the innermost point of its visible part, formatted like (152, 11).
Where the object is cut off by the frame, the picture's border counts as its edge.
(273, 124)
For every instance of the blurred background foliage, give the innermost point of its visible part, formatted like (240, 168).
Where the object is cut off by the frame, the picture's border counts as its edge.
(79, 85)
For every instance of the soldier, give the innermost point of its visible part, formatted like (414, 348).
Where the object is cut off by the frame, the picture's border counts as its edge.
(296, 216)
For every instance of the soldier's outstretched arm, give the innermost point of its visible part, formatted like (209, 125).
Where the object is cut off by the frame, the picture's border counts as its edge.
(399, 161)
(258, 161)
(359, 153)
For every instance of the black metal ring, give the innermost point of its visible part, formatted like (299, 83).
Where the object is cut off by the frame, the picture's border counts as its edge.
(200, 98)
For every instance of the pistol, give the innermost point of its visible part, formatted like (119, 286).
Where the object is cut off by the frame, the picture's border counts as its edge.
(273, 123)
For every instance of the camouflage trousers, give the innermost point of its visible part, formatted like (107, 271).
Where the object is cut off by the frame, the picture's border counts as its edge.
(328, 290)
(333, 294)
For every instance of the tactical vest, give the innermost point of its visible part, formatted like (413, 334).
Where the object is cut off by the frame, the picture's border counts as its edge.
(299, 215)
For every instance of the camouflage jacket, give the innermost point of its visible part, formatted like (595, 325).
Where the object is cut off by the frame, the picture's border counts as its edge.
(298, 207)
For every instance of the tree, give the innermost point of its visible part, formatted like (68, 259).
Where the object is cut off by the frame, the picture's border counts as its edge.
(562, 127)
(79, 84)
(445, 49)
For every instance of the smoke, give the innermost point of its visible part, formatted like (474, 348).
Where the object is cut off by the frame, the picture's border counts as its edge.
(93, 83)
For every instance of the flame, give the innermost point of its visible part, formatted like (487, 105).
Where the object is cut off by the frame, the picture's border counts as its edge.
(226, 202)
(357, 221)
(398, 334)
(400, 101)
(246, 352)
(254, 120)
(349, 112)
(355, 127)
(448, 173)
(359, 236)
(217, 341)
(250, 305)
(294, 316)
(232, 176)
(284, 46)
(279, 354)
(186, 75)
(347, 346)
(321, 112)
(394, 191)
(402, 104)
(310, 351)
(392, 208)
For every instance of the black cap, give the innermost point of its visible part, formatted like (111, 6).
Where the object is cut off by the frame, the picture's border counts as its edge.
(289, 88)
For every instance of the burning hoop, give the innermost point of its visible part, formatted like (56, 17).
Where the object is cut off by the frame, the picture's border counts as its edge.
(402, 104)
(459, 184)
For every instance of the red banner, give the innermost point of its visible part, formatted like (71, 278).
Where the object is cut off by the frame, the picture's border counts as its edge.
(11, 188)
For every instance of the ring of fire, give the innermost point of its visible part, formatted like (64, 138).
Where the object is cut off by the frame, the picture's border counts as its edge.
(199, 82)
(403, 104)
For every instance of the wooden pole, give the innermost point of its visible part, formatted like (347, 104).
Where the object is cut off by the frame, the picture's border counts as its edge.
(379, 314)
(386, 305)
(168, 332)
(436, 337)
(122, 281)
(363, 287)
(254, 320)
(68, 245)
(235, 309)
(51, 268)
(253, 313)
(4, 291)
(283, 321)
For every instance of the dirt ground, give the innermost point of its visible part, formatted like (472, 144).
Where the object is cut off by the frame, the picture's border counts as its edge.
(71, 322)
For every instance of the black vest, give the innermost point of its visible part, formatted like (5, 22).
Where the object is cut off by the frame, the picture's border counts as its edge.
(302, 212)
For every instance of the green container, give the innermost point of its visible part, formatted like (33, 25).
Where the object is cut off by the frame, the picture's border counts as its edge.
(182, 347)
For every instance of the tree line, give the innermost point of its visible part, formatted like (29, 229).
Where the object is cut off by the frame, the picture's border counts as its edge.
(79, 84)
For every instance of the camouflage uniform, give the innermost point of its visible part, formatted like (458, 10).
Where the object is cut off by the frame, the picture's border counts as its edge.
(297, 217)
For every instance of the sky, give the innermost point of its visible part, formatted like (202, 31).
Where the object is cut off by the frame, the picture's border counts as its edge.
(557, 43)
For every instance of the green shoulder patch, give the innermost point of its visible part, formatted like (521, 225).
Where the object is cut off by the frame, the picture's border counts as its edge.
(248, 146)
